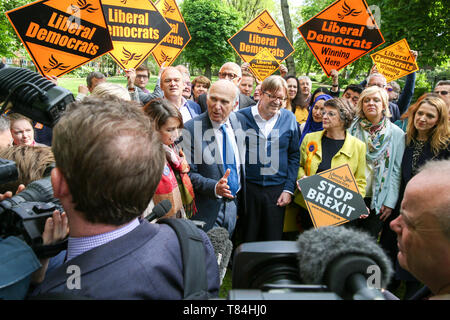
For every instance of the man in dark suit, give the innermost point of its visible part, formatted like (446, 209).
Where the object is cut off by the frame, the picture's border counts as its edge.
(213, 144)
(232, 72)
(104, 184)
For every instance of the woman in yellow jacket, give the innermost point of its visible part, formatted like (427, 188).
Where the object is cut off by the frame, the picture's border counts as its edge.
(331, 148)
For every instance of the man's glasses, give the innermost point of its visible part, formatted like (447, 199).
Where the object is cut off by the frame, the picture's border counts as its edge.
(443, 92)
(272, 97)
(224, 75)
(143, 76)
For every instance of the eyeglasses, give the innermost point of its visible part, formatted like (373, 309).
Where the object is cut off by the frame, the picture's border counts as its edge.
(330, 114)
(443, 93)
(272, 97)
(143, 76)
(224, 75)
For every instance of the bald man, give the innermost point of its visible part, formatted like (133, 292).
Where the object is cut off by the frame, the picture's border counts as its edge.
(214, 146)
(232, 72)
(423, 228)
(172, 84)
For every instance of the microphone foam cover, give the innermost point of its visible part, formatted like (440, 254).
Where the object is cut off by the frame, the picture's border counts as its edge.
(319, 247)
(220, 240)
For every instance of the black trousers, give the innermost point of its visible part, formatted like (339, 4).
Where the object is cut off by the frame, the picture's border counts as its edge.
(263, 220)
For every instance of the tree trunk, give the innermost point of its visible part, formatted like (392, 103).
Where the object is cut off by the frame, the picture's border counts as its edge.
(208, 71)
(288, 27)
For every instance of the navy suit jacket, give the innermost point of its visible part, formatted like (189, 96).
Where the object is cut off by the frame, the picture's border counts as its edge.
(205, 171)
(145, 263)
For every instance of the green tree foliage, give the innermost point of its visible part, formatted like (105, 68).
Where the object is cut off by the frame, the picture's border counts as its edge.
(249, 9)
(424, 24)
(211, 23)
(9, 42)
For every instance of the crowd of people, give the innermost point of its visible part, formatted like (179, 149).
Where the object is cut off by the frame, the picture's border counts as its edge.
(229, 153)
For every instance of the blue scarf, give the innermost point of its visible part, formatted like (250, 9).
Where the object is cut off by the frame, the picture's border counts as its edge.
(311, 125)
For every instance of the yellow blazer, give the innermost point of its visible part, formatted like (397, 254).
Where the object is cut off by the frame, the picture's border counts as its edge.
(353, 153)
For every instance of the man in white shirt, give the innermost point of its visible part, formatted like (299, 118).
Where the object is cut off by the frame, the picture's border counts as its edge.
(172, 84)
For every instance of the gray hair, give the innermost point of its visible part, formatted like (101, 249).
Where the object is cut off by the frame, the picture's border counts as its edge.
(443, 83)
(4, 124)
(441, 211)
(344, 108)
(376, 75)
(305, 78)
(94, 74)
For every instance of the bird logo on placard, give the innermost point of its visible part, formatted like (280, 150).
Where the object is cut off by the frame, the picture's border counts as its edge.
(54, 65)
(264, 25)
(400, 48)
(124, 1)
(83, 5)
(168, 8)
(348, 11)
(164, 58)
(129, 56)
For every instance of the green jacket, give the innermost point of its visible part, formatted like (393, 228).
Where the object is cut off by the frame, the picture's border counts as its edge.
(353, 153)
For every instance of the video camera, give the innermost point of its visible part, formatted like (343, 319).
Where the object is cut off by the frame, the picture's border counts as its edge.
(328, 263)
(33, 95)
(24, 214)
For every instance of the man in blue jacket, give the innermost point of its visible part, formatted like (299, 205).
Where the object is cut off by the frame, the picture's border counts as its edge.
(271, 162)
(108, 164)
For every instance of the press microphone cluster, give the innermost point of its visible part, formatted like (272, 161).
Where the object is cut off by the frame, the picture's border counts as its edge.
(348, 261)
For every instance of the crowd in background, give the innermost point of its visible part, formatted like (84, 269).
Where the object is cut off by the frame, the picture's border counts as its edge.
(232, 151)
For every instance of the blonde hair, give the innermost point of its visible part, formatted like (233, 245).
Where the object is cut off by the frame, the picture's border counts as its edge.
(31, 162)
(108, 89)
(370, 91)
(440, 134)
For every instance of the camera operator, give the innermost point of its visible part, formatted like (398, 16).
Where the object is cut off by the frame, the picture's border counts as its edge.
(32, 163)
(108, 164)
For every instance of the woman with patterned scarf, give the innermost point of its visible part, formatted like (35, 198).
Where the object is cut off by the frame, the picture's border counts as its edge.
(385, 144)
(175, 184)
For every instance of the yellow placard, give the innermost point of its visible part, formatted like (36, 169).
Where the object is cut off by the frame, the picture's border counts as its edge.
(261, 33)
(136, 28)
(332, 197)
(168, 50)
(61, 35)
(395, 61)
(263, 64)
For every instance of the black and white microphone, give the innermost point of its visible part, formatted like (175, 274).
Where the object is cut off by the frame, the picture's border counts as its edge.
(220, 240)
(346, 260)
(159, 210)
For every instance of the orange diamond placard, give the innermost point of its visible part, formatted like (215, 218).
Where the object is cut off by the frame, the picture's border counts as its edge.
(136, 28)
(332, 197)
(341, 33)
(262, 32)
(168, 50)
(395, 61)
(263, 64)
(61, 35)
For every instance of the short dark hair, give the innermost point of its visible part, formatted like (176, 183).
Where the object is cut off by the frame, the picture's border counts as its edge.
(94, 74)
(354, 88)
(143, 68)
(113, 174)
